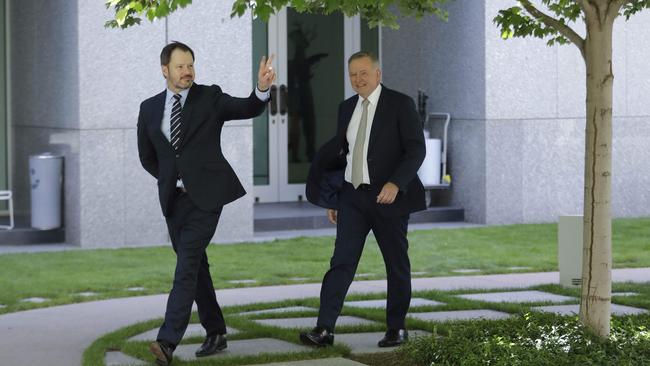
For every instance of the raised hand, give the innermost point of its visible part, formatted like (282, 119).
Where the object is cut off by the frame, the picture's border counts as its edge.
(266, 74)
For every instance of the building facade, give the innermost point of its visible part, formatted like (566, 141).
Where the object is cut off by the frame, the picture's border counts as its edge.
(516, 148)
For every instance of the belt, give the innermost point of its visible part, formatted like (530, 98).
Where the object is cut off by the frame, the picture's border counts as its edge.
(364, 187)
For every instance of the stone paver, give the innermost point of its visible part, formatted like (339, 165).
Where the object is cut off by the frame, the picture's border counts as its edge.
(298, 279)
(575, 310)
(382, 303)
(518, 268)
(3, 306)
(135, 289)
(279, 310)
(466, 270)
(242, 282)
(625, 293)
(245, 347)
(35, 300)
(86, 294)
(311, 322)
(444, 316)
(419, 273)
(359, 275)
(320, 362)
(517, 297)
(367, 342)
(120, 359)
(193, 330)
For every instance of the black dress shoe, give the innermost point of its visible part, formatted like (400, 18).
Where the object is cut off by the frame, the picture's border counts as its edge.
(211, 345)
(319, 337)
(162, 352)
(394, 338)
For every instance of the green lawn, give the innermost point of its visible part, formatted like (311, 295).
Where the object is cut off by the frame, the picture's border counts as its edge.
(59, 276)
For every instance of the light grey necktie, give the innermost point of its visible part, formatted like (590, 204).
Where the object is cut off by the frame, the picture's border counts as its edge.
(359, 147)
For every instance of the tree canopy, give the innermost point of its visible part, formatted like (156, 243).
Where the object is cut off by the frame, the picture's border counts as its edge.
(376, 12)
(528, 21)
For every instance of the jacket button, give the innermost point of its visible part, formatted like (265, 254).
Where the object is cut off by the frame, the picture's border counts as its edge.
(178, 155)
(369, 160)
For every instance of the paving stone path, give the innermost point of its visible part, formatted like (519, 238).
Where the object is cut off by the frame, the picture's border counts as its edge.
(86, 294)
(242, 282)
(381, 304)
(279, 310)
(359, 343)
(338, 361)
(193, 330)
(624, 294)
(36, 300)
(64, 332)
(310, 322)
(517, 297)
(619, 310)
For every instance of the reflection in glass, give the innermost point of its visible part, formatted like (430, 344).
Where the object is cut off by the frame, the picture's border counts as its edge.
(260, 123)
(315, 80)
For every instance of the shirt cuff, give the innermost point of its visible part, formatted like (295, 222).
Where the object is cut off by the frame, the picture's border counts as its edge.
(264, 96)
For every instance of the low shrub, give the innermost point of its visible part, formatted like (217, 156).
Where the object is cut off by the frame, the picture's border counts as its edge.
(533, 339)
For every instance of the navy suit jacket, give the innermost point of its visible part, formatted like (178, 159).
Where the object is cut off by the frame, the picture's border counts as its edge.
(208, 178)
(396, 150)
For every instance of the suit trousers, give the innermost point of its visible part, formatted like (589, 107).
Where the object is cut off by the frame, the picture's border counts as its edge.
(358, 214)
(191, 230)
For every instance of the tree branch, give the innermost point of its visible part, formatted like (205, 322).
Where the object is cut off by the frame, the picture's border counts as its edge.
(564, 29)
(587, 8)
(621, 3)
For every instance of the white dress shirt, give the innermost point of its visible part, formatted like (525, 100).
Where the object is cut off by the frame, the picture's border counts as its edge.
(351, 133)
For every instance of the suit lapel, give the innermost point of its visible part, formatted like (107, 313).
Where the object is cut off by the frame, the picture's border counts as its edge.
(378, 120)
(348, 110)
(187, 127)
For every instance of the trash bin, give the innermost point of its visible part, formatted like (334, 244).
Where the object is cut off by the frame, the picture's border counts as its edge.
(429, 171)
(46, 179)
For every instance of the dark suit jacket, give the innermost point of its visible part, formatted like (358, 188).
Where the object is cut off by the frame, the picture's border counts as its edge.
(208, 178)
(396, 150)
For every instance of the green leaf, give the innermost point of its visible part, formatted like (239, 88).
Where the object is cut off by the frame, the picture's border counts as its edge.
(120, 16)
(137, 6)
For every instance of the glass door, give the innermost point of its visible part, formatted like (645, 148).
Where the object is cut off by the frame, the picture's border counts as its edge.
(4, 140)
(311, 52)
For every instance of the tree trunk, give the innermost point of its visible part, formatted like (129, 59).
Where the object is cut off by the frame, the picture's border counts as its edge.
(597, 247)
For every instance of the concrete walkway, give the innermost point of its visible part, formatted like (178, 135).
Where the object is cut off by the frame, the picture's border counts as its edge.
(59, 335)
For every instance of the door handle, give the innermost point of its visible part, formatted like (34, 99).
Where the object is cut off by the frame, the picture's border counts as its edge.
(274, 100)
(283, 99)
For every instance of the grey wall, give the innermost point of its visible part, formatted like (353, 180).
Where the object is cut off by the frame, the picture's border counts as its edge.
(516, 146)
(543, 89)
(44, 83)
(447, 62)
(77, 88)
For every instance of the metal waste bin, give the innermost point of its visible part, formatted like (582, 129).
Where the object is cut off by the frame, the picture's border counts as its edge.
(46, 179)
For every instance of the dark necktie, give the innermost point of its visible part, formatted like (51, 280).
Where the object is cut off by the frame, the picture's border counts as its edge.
(175, 123)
